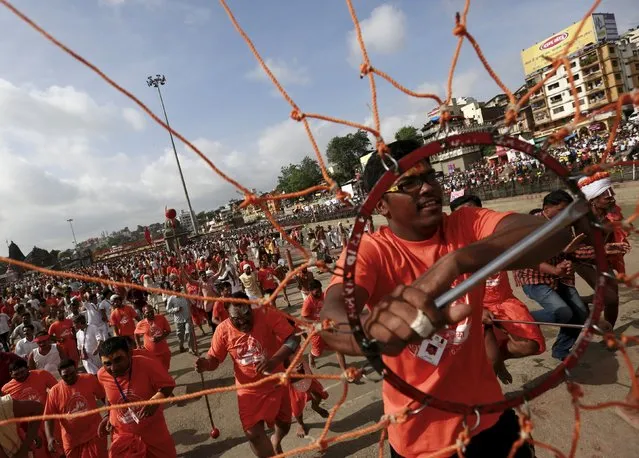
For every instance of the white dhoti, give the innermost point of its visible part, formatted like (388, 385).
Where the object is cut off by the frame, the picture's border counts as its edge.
(92, 364)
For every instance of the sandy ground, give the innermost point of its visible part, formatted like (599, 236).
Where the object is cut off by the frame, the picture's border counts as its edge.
(602, 374)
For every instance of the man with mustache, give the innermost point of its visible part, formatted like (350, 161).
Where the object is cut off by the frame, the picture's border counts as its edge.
(401, 268)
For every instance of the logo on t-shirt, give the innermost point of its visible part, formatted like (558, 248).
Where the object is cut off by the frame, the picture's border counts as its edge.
(77, 403)
(29, 394)
(249, 351)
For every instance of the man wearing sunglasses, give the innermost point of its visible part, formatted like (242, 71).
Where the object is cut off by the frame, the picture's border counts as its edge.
(401, 268)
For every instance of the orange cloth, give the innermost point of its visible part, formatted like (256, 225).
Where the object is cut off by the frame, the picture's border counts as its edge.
(123, 319)
(268, 406)
(266, 277)
(317, 346)
(502, 303)
(147, 376)
(299, 399)
(65, 338)
(619, 235)
(34, 388)
(266, 402)
(156, 328)
(198, 315)
(76, 432)
(219, 311)
(311, 307)
(463, 373)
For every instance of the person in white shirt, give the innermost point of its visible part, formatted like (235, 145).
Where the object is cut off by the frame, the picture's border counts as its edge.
(26, 345)
(105, 304)
(251, 283)
(89, 338)
(5, 330)
(96, 316)
(18, 332)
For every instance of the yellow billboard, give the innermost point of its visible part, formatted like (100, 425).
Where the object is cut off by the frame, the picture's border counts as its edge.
(534, 57)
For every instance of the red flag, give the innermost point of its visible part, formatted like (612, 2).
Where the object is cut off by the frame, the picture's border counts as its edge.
(147, 236)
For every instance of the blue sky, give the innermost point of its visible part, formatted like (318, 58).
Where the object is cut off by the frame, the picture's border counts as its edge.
(71, 147)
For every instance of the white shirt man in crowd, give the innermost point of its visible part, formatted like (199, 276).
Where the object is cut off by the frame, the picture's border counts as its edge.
(89, 337)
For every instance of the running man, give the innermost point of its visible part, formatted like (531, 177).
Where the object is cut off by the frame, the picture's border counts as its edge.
(127, 378)
(254, 342)
(154, 329)
(75, 393)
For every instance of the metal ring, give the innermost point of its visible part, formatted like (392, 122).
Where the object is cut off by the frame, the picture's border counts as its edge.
(394, 167)
(476, 425)
(416, 411)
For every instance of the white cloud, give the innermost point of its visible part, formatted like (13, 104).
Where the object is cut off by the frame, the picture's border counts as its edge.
(384, 32)
(286, 73)
(135, 118)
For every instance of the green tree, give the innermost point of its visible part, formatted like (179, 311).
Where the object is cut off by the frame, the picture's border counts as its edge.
(408, 133)
(343, 154)
(295, 177)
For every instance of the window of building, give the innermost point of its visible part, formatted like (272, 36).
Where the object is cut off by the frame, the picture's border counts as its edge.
(615, 62)
(617, 76)
(558, 110)
(573, 64)
(553, 86)
(580, 89)
(576, 77)
(611, 49)
(556, 98)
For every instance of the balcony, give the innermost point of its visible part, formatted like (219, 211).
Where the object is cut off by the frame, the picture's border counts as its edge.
(541, 105)
(594, 73)
(597, 85)
(596, 99)
(541, 118)
(588, 60)
(537, 95)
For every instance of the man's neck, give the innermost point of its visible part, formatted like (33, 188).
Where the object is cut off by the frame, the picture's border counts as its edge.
(412, 235)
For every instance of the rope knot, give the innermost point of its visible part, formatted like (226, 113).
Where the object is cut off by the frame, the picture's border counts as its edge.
(297, 115)
(343, 196)
(327, 324)
(460, 28)
(352, 374)
(510, 117)
(322, 445)
(382, 148)
(364, 69)
(250, 199)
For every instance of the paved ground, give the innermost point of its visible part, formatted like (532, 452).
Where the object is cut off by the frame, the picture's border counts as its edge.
(601, 372)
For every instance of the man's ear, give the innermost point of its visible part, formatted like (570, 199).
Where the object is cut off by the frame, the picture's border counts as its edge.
(383, 207)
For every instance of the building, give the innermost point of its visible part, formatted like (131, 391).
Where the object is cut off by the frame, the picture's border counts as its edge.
(186, 221)
(632, 35)
(602, 65)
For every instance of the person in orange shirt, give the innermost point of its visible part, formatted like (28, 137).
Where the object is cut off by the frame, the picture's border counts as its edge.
(219, 312)
(126, 378)
(258, 343)
(400, 269)
(303, 391)
(154, 329)
(26, 385)
(123, 318)
(64, 334)
(311, 309)
(75, 393)
(267, 277)
(504, 340)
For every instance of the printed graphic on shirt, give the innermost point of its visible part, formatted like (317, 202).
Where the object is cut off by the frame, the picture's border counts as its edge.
(249, 350)
(132, 414)
(76, 403)
(29, 394)
(492, 282)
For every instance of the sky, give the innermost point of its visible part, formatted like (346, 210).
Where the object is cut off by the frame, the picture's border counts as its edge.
(73, 147)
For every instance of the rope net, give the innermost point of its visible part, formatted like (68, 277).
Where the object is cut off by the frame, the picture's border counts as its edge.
(367, 70)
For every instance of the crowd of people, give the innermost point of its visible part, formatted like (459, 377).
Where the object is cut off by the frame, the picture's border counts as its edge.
(576, 153)
(70, 346)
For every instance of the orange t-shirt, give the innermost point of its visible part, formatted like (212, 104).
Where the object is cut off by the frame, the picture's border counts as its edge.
(147, 377)
(266, 277)
(64, 335)
(463, 373)
(219, 311)
(311, 307)
(123, 319)
(249, 349)
(78, 397)
(155, 328)
(498, 289)
(34, 388)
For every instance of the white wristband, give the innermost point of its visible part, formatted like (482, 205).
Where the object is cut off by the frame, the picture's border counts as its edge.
(422, 325)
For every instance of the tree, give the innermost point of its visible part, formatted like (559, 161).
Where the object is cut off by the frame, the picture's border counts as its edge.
(408, 133)
(344, 153)
(295, 177)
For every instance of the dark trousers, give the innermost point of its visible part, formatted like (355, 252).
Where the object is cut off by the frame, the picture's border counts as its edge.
(495, 442)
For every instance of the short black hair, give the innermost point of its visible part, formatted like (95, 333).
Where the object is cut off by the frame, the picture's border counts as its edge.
(79, 319)
(113, 344)
(18, 364)
(66, 363)
(375, 167)
(314, 284)
(461, 200)
(559, 196)
(28, 326)
(224, 285)
(239, 295)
